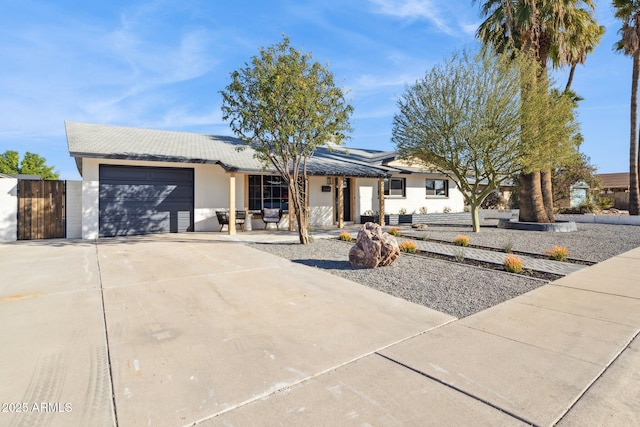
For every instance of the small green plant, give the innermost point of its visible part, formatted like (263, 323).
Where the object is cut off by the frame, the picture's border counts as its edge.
(394, 231)
(402, 211)
(345, 236)
(408, 246)
(513, 264)
(461, 240)
(458, 254)
(446, 209)
(558, 253)
(508, 247)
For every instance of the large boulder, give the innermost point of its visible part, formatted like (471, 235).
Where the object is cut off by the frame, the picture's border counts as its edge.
(373, 248)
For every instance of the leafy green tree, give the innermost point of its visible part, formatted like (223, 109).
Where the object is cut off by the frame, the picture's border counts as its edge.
(9, 162)
(466, 118)
(31, 164)
(284, 105)
(628, 11)
(560, 31)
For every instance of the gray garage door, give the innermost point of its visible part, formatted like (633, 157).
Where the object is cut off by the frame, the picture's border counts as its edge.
(142, 200)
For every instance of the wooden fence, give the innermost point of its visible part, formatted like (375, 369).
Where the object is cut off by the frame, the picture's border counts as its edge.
(620, 200)
(41, 209)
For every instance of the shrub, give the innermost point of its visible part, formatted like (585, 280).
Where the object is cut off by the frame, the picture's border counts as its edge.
(402, 211)
(513, 264)
(458, 254)
(558, 253)
(394, 231)
(345, 236)
(508, 247)
(423, 210)
(494, 201)
(446, 209)
(461, 241)
(408, 246)
(604, 202)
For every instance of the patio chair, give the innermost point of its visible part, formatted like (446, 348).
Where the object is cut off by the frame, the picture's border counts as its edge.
(271, 216)
(223, 219)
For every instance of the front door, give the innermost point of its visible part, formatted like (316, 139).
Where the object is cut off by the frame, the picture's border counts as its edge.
(346, 185)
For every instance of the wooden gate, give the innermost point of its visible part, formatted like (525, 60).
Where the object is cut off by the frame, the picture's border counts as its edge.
(41, 209)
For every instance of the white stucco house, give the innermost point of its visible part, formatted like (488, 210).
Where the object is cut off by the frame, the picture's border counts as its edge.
(137, 181)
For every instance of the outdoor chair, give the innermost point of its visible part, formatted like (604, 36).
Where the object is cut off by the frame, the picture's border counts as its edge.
(271, 216)
(223, 219)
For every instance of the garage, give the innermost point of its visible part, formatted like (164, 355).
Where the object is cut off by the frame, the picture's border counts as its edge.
(143, 200)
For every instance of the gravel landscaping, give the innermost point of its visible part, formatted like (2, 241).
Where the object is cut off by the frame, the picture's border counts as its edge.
(453, 288)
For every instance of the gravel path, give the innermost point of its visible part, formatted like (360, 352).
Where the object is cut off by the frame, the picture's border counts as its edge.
(592, 242)
(457, 289)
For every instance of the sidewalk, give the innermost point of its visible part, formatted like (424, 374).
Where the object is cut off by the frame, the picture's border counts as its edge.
(566, 353)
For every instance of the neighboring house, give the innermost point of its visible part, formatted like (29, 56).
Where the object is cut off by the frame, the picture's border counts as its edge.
(615, 186)
(579, 194)
(137, 181)
(20, 176)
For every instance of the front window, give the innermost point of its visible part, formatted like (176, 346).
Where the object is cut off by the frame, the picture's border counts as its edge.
(437, 187)
(268, 191)
(395, 187)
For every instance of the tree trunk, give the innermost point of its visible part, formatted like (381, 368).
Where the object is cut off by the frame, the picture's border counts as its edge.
(475, 217)
(525, 205)
(634, 202)
(547, 193)
(296, 198)
(531, 200)
(570, 79)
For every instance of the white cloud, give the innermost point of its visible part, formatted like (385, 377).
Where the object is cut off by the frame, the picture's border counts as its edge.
(414, 10)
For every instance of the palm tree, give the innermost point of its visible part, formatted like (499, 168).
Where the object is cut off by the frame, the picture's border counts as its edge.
(544, 30)
(583, 35)
(628, 11)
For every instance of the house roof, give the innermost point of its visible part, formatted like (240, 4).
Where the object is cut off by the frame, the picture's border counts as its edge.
(232, 154)
(614, 180)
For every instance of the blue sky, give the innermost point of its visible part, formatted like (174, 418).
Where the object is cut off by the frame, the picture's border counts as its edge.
(161, 65)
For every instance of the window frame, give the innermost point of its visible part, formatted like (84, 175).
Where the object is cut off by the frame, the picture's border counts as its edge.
(253, 195)
(387, 188)
(435, 188)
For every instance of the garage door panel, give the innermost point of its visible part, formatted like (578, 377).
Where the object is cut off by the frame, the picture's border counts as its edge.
(145, 192)
(140, 207)
(145, 174)
(141, 200)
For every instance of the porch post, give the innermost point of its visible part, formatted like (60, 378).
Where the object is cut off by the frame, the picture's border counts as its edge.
(340, 202)
(381, 200)
(232, 203)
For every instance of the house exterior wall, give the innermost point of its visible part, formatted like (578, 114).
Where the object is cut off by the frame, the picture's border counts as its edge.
(414, 199)
(73, 209)
(211, 192)
(320, 204)
(8, 210)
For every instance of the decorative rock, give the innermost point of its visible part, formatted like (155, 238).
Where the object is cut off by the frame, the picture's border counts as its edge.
(373, 247)
(419, 226)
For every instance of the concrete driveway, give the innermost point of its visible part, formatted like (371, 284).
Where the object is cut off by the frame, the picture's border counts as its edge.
(175, 329)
